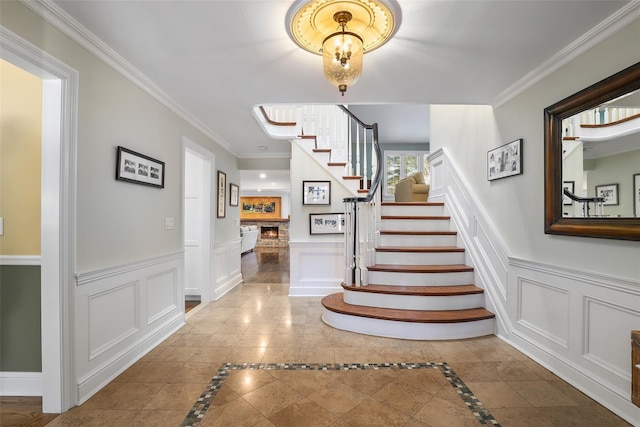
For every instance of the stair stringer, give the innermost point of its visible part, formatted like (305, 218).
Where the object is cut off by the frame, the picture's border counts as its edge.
(322, 160)
(484, 248)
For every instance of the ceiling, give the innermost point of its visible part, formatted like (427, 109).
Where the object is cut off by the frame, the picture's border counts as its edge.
(216, 59)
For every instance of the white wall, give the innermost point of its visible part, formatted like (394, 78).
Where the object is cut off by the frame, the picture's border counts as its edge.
(618, 169)
(516, 204)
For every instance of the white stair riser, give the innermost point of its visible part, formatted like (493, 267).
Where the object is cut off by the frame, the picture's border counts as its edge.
(414, 302)
(420, 258)
(419, 210)
(417, 240)
(420, 279)
(415, 225)
(408, 330)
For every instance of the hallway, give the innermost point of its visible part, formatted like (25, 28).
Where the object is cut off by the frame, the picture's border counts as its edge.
(257, 357)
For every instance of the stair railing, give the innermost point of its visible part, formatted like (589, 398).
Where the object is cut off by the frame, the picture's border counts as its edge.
(362, 214)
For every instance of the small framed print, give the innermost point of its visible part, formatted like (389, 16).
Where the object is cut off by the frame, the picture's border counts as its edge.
(609, 193)
(316, 192)
(332, 223)
(138, 168)
(568, 185)
(505, 160)
(234, 194)
(636, 195)
(222, 194)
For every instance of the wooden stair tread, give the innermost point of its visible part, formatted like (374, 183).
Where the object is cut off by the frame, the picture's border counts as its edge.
(454, 290)
(336, 164)
(335, 303)
(419, 233)
(412, 203)
(425, 249)
(322, 150)
(420, 218)
(400, 268)
(363, 190)
(352, 177)
(307, 136)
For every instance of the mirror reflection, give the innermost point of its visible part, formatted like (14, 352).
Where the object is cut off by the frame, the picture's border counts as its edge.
(601, 160)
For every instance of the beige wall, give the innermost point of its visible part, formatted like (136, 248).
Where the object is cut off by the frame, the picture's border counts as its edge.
(20, 148)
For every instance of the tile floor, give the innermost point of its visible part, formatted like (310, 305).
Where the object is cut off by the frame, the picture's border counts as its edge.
(256, 328)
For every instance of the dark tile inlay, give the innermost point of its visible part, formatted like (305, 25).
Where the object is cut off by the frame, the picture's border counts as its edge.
(206, 398)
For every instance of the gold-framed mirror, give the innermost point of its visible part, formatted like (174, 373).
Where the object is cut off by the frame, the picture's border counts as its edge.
(579, 131)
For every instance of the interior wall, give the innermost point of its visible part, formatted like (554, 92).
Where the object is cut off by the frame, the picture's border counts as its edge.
(114, 111)
(618, 169)
(516, 204)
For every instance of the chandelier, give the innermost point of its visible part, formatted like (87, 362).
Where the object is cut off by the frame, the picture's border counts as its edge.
(342, 31)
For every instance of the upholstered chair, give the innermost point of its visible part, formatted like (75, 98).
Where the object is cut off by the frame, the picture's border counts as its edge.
(412, 188)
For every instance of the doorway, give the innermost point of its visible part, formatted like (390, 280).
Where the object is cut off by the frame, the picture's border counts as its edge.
(197, 230)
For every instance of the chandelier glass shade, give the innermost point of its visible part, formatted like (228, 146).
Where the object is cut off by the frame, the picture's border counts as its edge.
(342, 31)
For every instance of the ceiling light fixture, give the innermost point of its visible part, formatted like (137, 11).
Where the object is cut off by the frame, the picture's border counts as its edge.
(342, 31)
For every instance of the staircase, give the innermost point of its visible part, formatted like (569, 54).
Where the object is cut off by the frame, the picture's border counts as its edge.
(419, 286)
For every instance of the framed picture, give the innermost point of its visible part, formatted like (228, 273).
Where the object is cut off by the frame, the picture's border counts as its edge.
(331, 223)
(636, 195)
(568, 185)
(505, 160)
(609, 192)
(260, 207)
(138, 168)
(316, 192)
(234, 194)
(222, 194)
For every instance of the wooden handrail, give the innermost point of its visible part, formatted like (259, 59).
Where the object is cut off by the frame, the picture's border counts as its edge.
(617, 122)
(273, 122)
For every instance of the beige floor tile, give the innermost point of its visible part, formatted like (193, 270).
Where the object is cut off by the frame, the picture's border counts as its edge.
(372, 413)
(128, 396)
(475, 371)
(404, 397)
(430, 380)
(521, 417)
(77, 417)
(246, 381)
(303, 413)
(246, 354)
(155, 372)
(224, 340)
(159, 418)
(191, 340)
(338, 398)
(213, 355)
(176, 397)
(517, 371)
(224, 396)
(272, 398)
(176, 354)
(497, 395)
(194, 372)
(574, 416)
(541, 393)
(446, 413)
(302, 381)
(367, 382)
(237, 413)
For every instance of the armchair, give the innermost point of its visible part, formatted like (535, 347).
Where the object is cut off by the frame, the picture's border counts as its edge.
(412, 189)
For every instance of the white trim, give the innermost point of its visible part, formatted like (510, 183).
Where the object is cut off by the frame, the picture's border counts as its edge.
(20, 259)
(316, 268)
(227, 264)
(614, 23)
(58, 206)
(58, 18)
(20, 383)
(107, 272)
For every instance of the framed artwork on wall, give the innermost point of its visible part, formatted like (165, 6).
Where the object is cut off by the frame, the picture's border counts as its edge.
(222, 194)
(138, 168)
(505, 160)
(234, 194)
(568, 185)
(609, 192)
(260, 207)
(331, 223)
(636, 195)
(316, 192)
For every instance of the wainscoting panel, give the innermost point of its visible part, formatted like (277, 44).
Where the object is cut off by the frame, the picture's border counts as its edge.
(575, 324)
(227, 263)
(121, 313)
(316, 268)
(552, 322)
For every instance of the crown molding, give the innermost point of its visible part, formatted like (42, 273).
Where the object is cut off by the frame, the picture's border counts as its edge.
(614, 23)
(58, 18)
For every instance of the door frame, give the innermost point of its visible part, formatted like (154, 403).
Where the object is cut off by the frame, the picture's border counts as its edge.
(208, 226)
(58, 213)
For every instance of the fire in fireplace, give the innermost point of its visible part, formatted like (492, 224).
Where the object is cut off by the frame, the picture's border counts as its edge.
(269, 232)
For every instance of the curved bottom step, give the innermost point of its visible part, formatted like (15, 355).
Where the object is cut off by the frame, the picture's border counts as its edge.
(407, 324)
(408, 330)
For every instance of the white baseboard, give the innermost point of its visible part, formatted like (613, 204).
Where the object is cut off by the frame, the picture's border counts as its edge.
(20, 383)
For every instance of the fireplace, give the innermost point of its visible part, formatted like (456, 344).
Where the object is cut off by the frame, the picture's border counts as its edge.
(268, 232)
